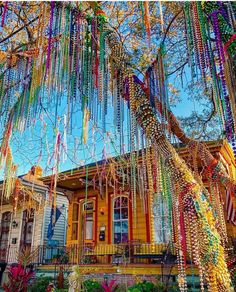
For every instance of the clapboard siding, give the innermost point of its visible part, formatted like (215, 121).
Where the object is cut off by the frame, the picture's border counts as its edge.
(139, 227)
(40, 223)
(61, 225)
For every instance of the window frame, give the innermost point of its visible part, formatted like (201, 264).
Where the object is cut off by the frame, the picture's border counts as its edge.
(120, 219)
(161, 215)
(83, 220)
(75, 222)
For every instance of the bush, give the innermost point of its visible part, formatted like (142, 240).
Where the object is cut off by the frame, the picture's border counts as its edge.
(166, 285)
(19, 278)
(121, 288)
(145, 286)
(91, 286)
(41, 283)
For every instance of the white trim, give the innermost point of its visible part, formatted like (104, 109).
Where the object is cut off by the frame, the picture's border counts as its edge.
(43, 223)
(33, 231)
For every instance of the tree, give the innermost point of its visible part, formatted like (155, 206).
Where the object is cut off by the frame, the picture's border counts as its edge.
(188, 194)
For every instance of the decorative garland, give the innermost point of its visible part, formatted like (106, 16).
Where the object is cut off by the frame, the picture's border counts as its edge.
(201, 21)
(74, 60)
(209, 257)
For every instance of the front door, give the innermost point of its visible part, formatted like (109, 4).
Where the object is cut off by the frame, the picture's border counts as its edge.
(88, 222)
(27, 229)
(4, 234)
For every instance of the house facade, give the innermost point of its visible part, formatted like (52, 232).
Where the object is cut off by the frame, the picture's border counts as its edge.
(105, 229)
(24, 219)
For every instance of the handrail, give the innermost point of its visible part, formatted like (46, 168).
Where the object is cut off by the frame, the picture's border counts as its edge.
(91, 253)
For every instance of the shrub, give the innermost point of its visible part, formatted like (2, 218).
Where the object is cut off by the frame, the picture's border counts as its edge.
(19, 278)
(92, 286)
(145, 286)
(121, 288)
(109, 286)
(41, 283)
(166, 285)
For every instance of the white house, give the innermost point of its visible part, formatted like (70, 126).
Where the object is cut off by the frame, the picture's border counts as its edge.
(27, 225)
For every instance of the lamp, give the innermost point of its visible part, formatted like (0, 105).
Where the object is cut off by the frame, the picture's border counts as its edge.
(102, 210)
(14, 224)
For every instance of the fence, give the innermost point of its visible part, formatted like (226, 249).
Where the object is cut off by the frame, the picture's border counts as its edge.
(90, 253)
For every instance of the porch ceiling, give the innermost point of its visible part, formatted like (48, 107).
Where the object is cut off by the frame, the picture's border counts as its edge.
(71, 184)
(73, 181)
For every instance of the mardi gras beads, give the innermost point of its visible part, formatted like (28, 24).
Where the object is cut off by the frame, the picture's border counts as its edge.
(4, 13)
(52, 5)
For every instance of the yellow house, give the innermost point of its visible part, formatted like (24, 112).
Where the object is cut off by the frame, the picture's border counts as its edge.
(106, 230)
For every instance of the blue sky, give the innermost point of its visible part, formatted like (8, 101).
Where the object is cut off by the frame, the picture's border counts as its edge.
(38, 141)
(36, 144)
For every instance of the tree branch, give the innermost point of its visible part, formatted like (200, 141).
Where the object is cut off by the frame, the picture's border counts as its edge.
(19, 29)
(24, 22)
(177, 69)
(169, 26)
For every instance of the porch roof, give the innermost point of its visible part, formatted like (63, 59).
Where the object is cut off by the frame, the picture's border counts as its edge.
(73, 179)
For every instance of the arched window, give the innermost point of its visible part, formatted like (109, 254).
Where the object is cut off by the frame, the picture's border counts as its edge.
(120, 220)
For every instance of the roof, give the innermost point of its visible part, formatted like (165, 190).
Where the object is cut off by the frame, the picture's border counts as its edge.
(73, 179)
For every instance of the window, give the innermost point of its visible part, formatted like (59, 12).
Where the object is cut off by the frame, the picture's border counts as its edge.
(75, 223)
(120, 220)
(88, 215)
(162, 232)
(27, 228)
(4, 234)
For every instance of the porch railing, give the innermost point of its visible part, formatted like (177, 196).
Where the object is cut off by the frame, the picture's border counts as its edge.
(91, 254)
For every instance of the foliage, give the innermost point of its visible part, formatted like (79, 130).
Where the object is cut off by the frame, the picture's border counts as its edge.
(89, 260)
(200, 123)
(121, 288)
(144, 286)
(166, 285)
(19, 278)
(109, 287)
(126, 18)
(202, 126)
(64, 259)
(159, 286)
(26, 256)
(41, 283)
(75, 279)
(91, 286)
(234, 279)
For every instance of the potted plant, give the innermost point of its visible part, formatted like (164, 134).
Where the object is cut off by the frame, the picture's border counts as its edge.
(55, 258)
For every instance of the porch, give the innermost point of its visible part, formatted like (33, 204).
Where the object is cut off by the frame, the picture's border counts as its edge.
(100, 254)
